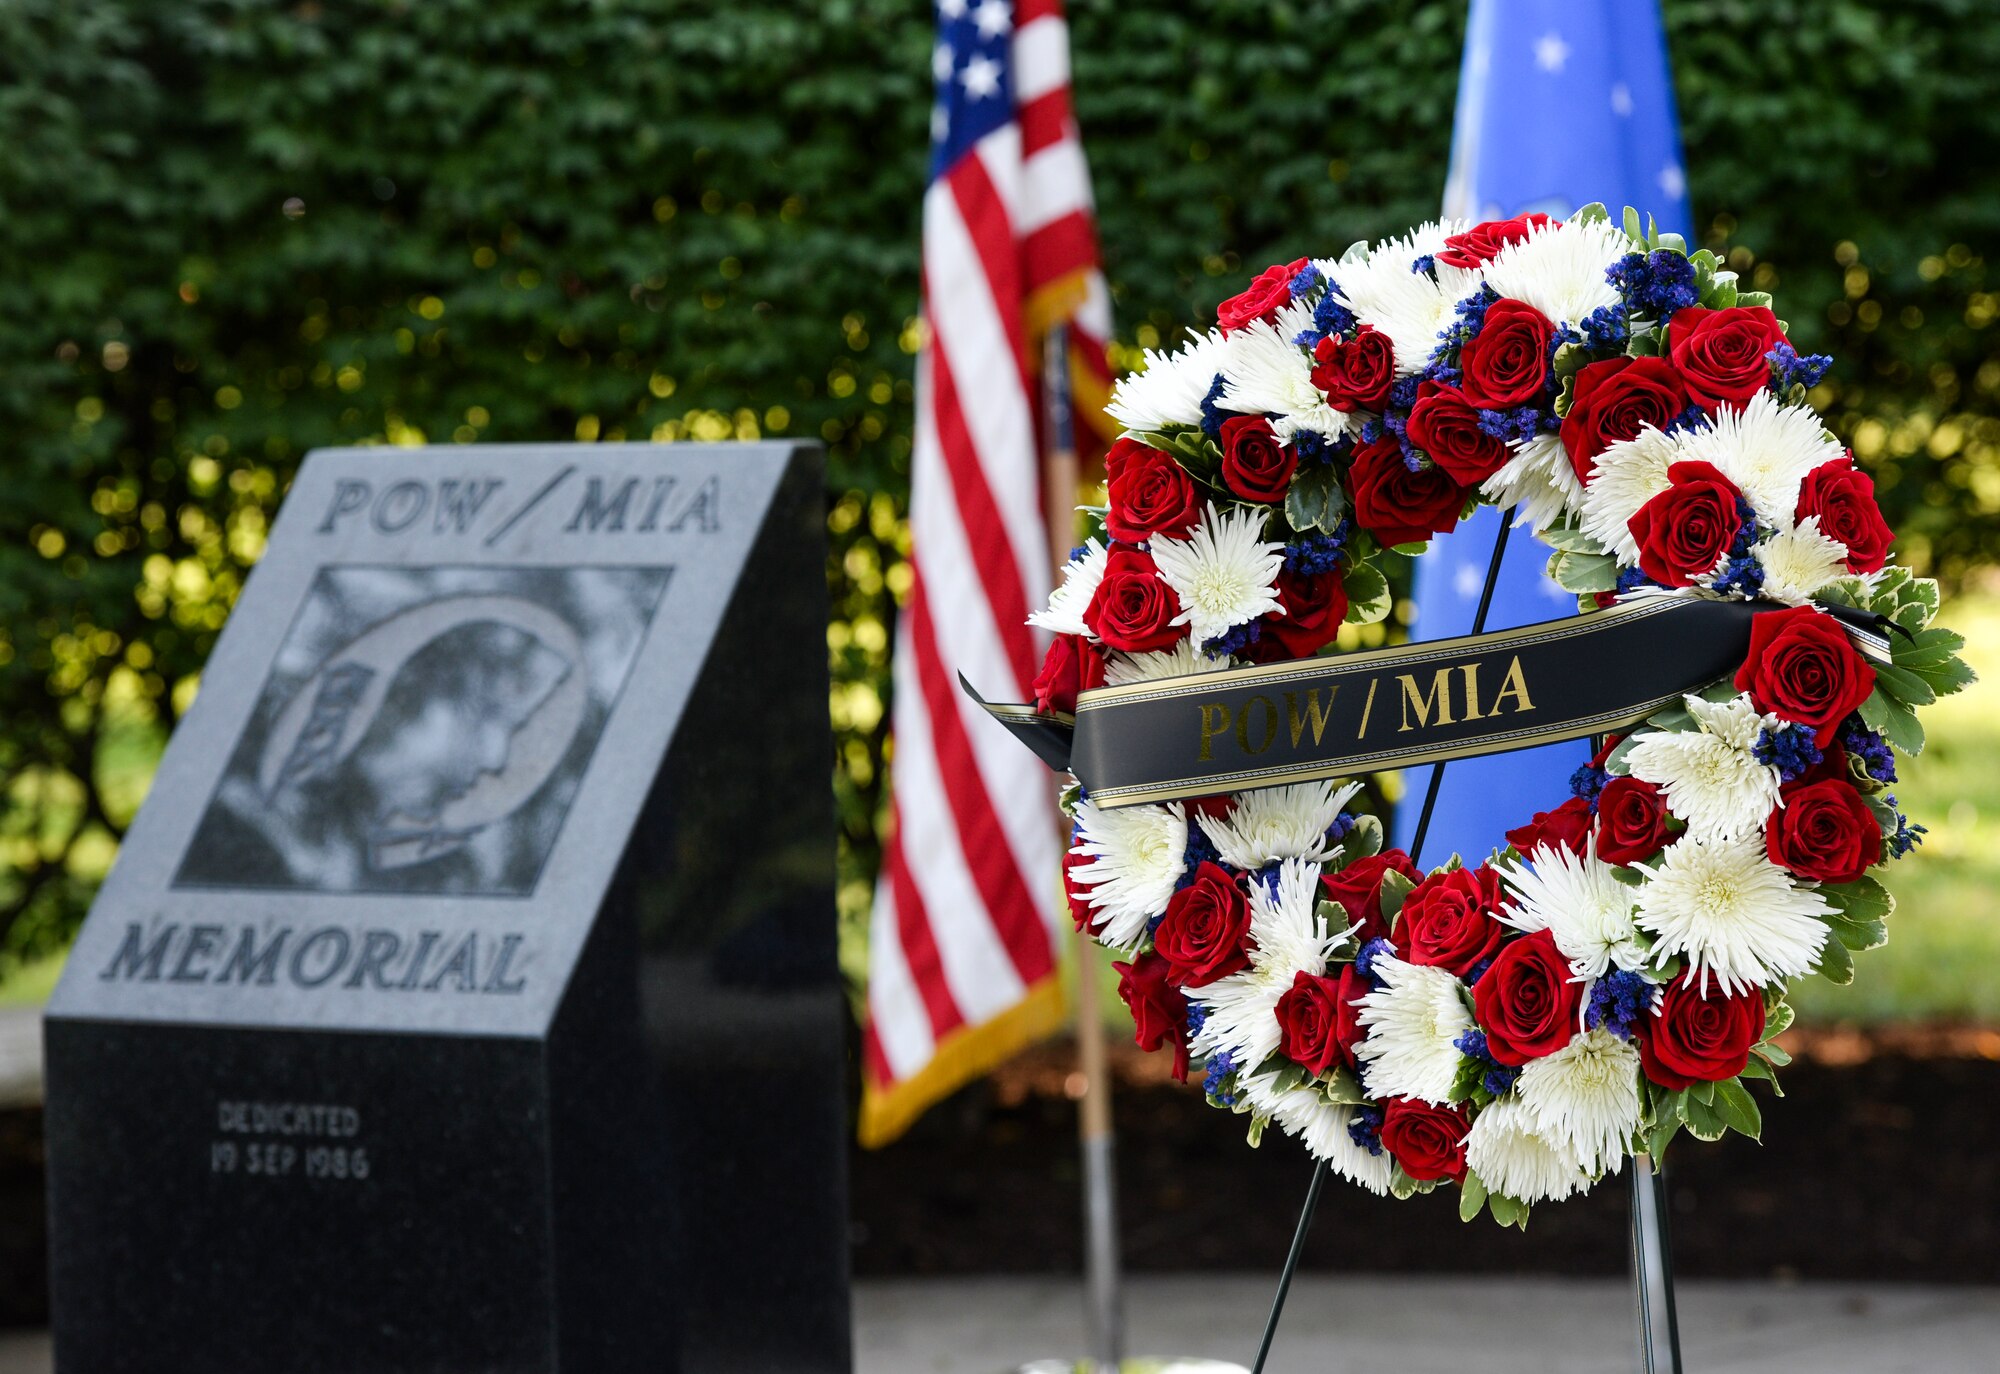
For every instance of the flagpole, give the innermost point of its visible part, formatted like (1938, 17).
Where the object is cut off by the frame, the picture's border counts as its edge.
(1103, 1292)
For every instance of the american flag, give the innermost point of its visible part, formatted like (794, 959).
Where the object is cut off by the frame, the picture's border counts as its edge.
(963, 939)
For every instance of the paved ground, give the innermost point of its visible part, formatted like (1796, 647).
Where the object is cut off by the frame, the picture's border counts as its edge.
(1339, 1325)
(1412, 1326)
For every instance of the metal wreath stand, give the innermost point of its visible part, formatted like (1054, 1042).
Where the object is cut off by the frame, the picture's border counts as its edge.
(1652, 1250)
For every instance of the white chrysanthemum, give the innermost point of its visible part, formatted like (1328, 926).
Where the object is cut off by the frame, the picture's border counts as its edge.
(1511, 1158)
(1710, 777)
(1798, 562)
(1411, 308)
(1185, 659)
(1766, 449)
(1224, 572)
(1628, 474)
(1559, 268)
(1069, 601)
(1278, 823)
(1537, 481)
(1137, 855)
(1737, 916)
(1325, 1129)
(1170, 388)
(1268, 374)
(1582, 905)
(1584, 1098)
(1412, 1022)
(1288, 937)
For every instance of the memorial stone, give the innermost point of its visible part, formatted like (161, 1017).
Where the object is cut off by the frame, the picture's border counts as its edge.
(464, 995)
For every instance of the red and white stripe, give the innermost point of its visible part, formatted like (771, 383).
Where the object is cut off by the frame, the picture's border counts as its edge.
(964, 923)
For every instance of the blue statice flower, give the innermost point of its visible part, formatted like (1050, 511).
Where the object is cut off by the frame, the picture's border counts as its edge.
(1212, 414)
(1906, 836)
(1313, 447)
(1789, 369)
(1198, 852)
(1365, 1129)
(1310, 554)
(1658, 283)
(1220, 1066)
(1588, 782)
(1234, 641)
(1874, 752)
(1427, 264)
(1267, 876)
(1471, 313)
(1498, 1077)
(1606, 330)
(1343, 826)
(1079, 553)
(1364, 962)
(1305, 279)
(1371, 430)
(1694, 417)
(1630, 580)
(1330, 316)
(1789, 748)
(1617, 1001)
(1741, 576)
(1197, 1017)
(1519, 424)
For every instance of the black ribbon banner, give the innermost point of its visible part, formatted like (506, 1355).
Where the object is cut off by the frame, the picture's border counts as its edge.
(1391, 708)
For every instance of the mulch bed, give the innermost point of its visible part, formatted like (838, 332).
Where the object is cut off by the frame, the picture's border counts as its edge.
(1882, 1163)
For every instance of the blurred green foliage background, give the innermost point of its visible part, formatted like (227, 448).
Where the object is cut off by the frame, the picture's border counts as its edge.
(232, 230)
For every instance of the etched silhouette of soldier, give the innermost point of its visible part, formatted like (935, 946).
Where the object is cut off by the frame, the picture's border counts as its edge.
(401, 749)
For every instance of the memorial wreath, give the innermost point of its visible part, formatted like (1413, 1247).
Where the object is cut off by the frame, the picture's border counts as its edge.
(1750, 663)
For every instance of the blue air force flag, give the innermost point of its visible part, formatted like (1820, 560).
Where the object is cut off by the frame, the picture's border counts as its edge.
(1560, 103)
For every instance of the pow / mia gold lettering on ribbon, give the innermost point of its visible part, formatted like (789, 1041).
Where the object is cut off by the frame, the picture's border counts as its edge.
(1336, 716)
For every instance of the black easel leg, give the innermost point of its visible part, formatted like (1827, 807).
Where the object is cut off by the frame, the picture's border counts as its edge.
(1653, 1270)
(1416, 856)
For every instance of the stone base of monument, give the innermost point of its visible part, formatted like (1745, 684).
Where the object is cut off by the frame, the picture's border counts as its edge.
(434, 1017)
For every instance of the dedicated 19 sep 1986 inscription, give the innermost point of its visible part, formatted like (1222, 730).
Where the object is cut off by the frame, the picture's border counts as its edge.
(274, 1140)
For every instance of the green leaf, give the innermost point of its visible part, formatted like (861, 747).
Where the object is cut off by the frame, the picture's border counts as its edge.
(1633, 228)
(1773, 1053)
(1342, 1089)
(1401, 1185)
(1256, 1133)
(1368, 598)
(1471, 1196)
(1315, 500)
(1836, 965)
(1903, 686)
(1593, 213)
(1777, 1020)
(1395, 887)
(1762, 298)
(1739, 1109)
(1583, 572)
(1864, 899)
(1703, 1121)
(1755, 1067)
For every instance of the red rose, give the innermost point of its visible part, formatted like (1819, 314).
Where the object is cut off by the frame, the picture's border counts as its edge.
(1263, 298)
(1526, 1002)
(1149, 492)
(1073, 665)
(1684, 530)
(1631, 821)
(1720, 353)
(1447, 920)
(1823, 831)
(1801, 666)
(1254, 464)
(1358, 887)
(1355, 373)
(1396, 505)
(1613, 401)
(1843, 497)
(1309, 1016)
(1159, 1012)
(1507, 362)
(1444, 424)
(1205, 933)
(1429, 1142)
(1483, 242)
(1566, 827)
(1081, 913)
(1132, 608)
(1699, 1038)
(1314, 605)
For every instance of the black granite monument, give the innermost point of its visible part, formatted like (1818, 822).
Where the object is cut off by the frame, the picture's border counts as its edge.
(464, 997)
